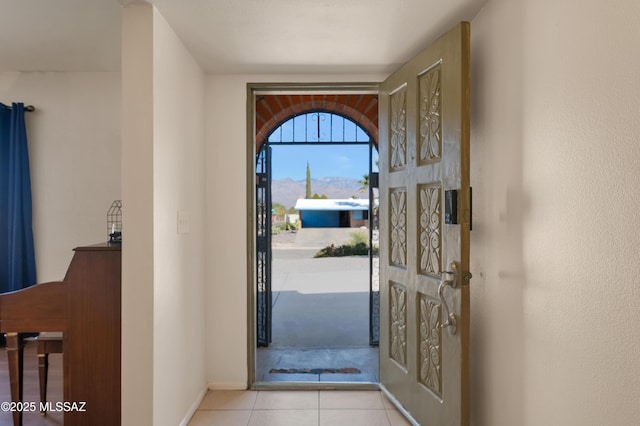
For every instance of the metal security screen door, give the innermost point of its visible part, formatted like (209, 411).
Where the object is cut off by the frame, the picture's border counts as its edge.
(311, 128)
(424, 238)
(263, 247)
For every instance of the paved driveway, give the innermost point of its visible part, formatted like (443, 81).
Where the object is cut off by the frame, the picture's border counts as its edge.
(320, 302)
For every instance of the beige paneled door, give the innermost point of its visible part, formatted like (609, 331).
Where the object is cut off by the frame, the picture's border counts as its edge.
(425, 223)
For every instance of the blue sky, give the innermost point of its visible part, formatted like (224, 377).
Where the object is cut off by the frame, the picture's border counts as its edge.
(336, 159)
(290, 161)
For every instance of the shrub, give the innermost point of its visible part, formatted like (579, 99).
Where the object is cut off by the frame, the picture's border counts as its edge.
(292, 226)
(360, 236)
(350, 249)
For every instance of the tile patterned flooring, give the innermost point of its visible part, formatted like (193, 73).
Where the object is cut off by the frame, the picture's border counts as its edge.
(297, 408)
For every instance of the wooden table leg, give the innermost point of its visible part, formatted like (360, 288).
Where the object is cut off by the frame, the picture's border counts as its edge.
(43, 373)
(15, 352)
(48, 343)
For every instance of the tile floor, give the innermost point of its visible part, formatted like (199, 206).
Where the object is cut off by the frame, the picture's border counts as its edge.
(297, 408)
(230, 408)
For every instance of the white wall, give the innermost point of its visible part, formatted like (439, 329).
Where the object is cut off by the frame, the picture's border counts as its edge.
(555, 160)
(163, 271)
(137, 198)
(178, 176)
(226, 241)
(74, 150)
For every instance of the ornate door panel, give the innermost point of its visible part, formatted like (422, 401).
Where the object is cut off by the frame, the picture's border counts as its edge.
(425, 223)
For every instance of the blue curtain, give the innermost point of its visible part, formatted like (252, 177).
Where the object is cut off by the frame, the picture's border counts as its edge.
(17, 258)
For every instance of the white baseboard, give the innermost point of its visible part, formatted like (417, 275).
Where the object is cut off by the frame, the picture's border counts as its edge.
(399, 406)
(194, 407)
(227, 386)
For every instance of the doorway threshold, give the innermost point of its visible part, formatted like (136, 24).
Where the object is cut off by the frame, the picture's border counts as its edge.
(298, 386)
(317, 365)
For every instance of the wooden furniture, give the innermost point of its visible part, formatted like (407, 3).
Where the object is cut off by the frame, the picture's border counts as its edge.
(86, 308)
(49, 342)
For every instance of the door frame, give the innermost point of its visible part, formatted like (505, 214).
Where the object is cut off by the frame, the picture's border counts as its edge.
(253, 90)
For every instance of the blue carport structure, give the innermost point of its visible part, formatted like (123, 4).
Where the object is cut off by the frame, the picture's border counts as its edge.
(333, 213)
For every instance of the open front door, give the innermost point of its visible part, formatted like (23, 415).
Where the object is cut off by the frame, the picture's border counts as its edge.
(425, 223)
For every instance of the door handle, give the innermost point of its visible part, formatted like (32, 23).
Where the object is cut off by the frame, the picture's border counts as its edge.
(451, 323)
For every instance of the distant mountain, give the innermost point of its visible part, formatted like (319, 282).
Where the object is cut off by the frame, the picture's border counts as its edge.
(286, 191)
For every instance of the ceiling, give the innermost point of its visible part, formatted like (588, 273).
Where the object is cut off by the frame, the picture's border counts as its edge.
(232, 36)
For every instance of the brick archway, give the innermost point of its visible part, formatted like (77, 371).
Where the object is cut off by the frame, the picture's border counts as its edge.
(273, 110)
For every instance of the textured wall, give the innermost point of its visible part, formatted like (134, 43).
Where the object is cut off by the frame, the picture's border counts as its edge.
(178, 177)
(163, 266)
(555, 163)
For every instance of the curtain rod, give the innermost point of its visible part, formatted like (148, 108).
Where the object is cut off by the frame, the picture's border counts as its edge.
(28, 108)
